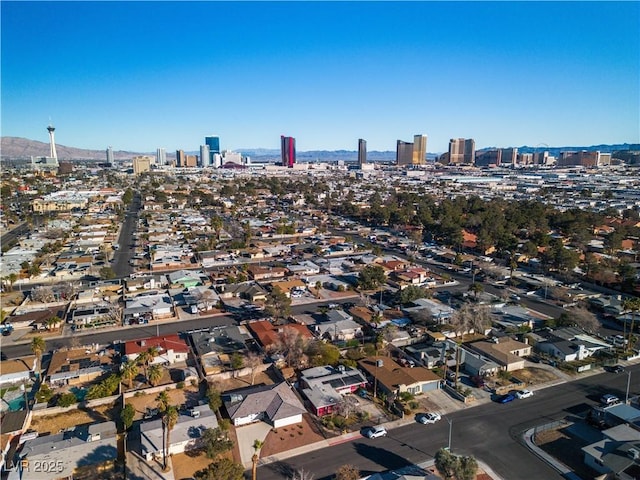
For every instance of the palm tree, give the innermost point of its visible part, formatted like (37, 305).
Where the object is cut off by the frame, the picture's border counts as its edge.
(38, 347)
(169, 421)
(257, 445)
(163, 401)
(631, 304)
(155, 374)
(146, 357)
(53, 321)
(129, 371)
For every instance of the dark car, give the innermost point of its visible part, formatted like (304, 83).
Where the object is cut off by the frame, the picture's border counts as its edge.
(509, 397)
(615, 369)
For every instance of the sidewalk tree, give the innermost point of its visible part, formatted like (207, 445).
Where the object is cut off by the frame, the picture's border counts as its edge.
(445, 463)
(257, 445)
(38, 346)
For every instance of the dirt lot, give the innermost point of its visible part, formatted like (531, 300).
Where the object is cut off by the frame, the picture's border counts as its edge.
(565, 448)
(242, 382)
(292, 436)
(177, 396)
(54, 423)
(533, 375)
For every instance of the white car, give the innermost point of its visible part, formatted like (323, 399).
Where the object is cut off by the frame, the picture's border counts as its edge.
(524, 394)
(431, 417)
(375, 432)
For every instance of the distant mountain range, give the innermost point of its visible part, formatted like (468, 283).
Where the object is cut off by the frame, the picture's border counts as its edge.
(16, 148)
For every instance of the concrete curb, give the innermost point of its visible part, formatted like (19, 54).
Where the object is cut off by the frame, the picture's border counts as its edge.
(565, 471)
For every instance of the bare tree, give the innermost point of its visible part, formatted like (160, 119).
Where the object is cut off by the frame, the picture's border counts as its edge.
(347, 472)
(347, 406)
(42, 294)
(469, 318)
(291, 345)
(584, 319)
(302, 474)
(253, 362)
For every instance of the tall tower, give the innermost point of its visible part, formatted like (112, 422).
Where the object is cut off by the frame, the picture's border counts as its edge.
(288, 151)
(362, 152)
(52, 142)
(110, 155)
(213, 142)
(404, 153)
(205, 156)
(419, 150)
(161, 156)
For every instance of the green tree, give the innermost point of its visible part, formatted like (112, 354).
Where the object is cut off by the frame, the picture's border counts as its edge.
(145, 358)
(216, 442)
(66, 400)
(466, 468)
(446, 463)
(52, 322)
(477, 289)
(257, 445)
(127, 415)
(129, 371)
(221, 469)
(410, 293)
(162, 400)
(155, 374)
(371, 277)
(278, 305)
(169, 420)
(631, 304)
(237, 361)
(107, 273)
(127, 196)
(321, 353)
(214, 398)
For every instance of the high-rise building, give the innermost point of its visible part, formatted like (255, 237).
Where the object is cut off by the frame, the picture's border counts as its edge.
(509, 156)
(190, 161)
(404, 153)
(205, 156)
(52, 143)
(161, 156)
(462, 150)
(419, 155)
(180, 158)
(110, 155)
(288, 151)
(362, 152)
(141, 163)
(213, 142)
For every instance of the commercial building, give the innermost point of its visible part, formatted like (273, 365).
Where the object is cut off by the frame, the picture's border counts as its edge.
(461, 150)
(362, 152)
(404, 153)
(141, 164)
(180, 158)
(161, 156)
(205, 156)
(419, 154)
(288, 151)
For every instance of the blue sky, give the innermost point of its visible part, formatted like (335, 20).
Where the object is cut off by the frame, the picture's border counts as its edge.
(142, 75)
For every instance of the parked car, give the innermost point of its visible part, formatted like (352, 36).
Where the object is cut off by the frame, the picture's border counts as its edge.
(615, 369)
(524, 394)
(375, 432)
(425, 418)
(609, 399)
(509, 397)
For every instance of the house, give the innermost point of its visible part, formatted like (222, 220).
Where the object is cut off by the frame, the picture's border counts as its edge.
(267, 334)
(276, 404)
(147, 282)
(73, 367)
(339, 326)
(618, 453)
(81, 451)
(169, 349)
(324, 386)
(214, 347)
(432, 310)
(304, 269)
(247, 290)
(35, 318)
(20, 370)
(479, 366)
(149, 307)
(507, 353)
(186, 434)
(185, 279)
(569, 344)
(394, 379)
(286, 286)
(258, 272)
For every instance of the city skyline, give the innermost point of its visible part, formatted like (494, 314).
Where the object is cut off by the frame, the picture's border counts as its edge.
(324, 73)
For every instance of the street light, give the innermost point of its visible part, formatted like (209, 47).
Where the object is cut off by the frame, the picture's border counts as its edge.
(450, 426)
(626, 397)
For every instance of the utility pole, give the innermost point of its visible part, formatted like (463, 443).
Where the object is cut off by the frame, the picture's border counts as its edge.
(626, 397)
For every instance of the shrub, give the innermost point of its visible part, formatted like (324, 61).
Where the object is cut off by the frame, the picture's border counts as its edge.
(180, 385)
(66, 400)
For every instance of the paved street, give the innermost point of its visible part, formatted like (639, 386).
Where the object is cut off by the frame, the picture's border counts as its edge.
(491, 432)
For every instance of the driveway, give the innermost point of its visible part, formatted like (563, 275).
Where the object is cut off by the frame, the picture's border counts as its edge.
(246, 435)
